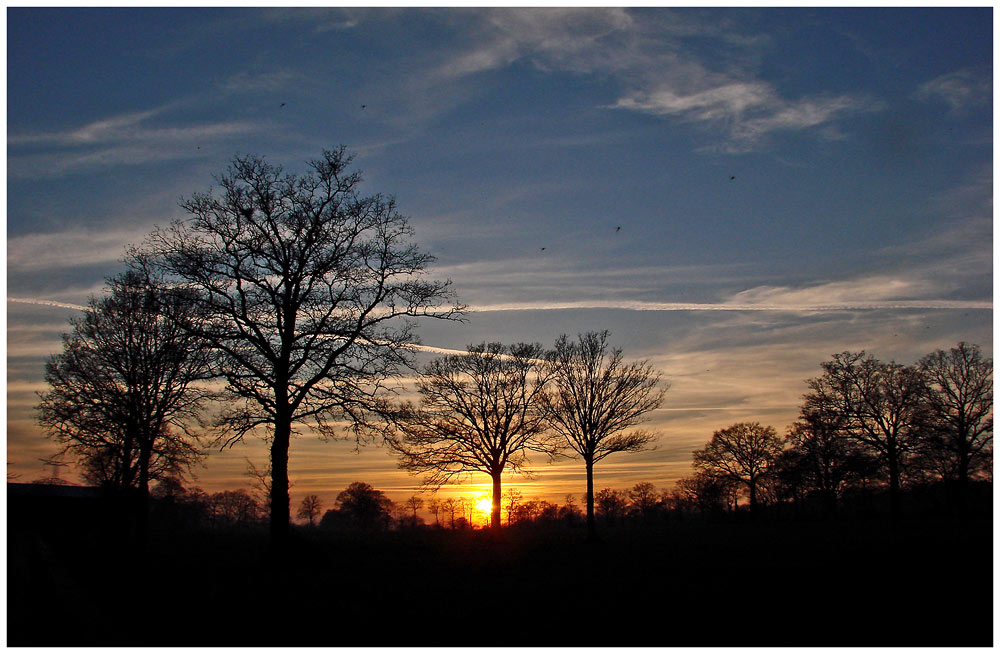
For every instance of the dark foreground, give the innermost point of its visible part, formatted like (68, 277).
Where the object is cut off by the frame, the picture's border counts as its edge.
(859, 582)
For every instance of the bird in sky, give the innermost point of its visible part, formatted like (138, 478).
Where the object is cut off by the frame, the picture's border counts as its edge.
(363, 106)
(282, 104)
(618, 228)
(543, 249)
(732, 177)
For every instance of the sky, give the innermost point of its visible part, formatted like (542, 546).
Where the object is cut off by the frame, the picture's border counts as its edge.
(788, 184)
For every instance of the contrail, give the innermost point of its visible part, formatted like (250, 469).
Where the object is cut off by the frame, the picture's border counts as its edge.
(685, 306)
(66, 305)
(47, 303)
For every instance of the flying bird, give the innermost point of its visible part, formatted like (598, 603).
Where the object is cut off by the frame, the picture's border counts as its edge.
(543, 249)
(618, 228)
(363, 106)
(732, 177)
(282, 104)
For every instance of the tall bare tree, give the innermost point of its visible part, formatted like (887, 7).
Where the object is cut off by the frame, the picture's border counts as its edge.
(880, 405)
(479, 412)
(960, 403)
(596, 397)
(309, 292)
(742, 453)
(124, 394)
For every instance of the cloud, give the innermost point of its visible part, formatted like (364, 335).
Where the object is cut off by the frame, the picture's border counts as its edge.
(47, 303)
(960, 90)
(564, 38)
(662, 61)
(126, 139)
(782, 305)
(72, 248)
(745, 111)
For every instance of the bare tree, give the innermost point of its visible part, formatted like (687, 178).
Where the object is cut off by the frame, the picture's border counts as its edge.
(124, 393)
(309, 508)
(512, 499)
(881, 405)
(960, 400)
(709, 493)
(234, 507)
(820, 458)
(596, 397)
(364, 506)
(434, 506)
(742, 453)
(308, 292)
(449, 507)
(643, 499)
(611, 504)
(569, 511)
(414, 504)
(479, 412)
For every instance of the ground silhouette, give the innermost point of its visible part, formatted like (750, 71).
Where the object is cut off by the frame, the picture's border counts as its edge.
(857, 580)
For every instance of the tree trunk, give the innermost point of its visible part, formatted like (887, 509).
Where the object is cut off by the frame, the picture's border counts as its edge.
(495, 523)
(591, 529)
(894, 508)
(142, 501)
(753, 497)
(962, 489)
(280, 512)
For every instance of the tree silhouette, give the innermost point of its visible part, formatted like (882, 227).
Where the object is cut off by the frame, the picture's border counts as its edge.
(123, 394)
(960, 402)
(434, 506)
(742, 453)
(643, 499)
(449, 507)
(234, 507)
(512, 499)
(820, 458)
(596, 397)
(310, 508)
(414, 504)
(706, 491)
(479, 412)
(569, 511)
(881, 405)
(364, 506)
(308, 292)
(610, 504)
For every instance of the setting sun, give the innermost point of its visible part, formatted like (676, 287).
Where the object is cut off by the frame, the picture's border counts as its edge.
(484, 505)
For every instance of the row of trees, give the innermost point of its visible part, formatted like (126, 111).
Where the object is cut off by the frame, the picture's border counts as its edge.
(486, 410)
(864, 422)
(297, 292)
(361, 506)
(301, 296)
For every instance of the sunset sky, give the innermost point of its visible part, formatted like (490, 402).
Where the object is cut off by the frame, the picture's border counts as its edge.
(789, 184)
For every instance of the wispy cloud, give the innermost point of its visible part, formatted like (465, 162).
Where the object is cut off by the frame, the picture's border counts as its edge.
(734, 306)
(665, 76)
(47, 303)
(960, 90)
(125, 139)
(69, 249)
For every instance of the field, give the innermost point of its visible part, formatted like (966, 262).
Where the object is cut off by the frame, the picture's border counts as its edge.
(857, 582)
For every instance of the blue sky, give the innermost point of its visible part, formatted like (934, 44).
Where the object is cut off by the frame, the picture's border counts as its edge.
(789, 183)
